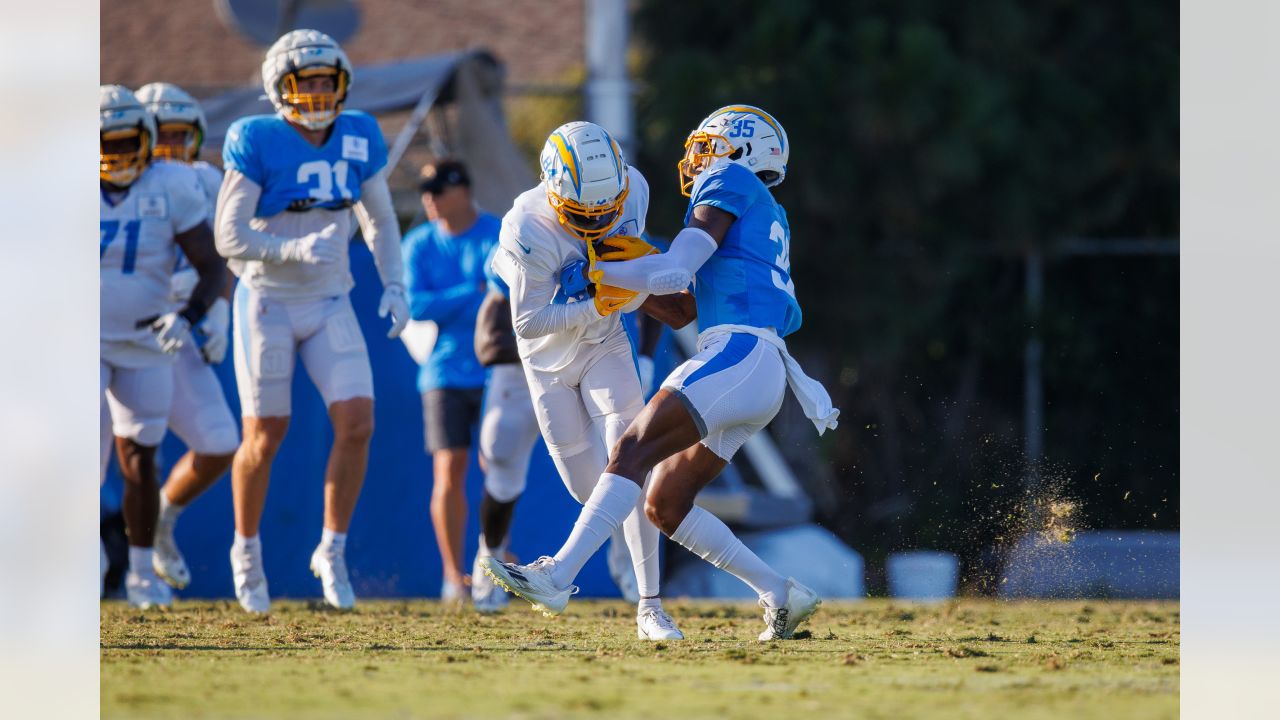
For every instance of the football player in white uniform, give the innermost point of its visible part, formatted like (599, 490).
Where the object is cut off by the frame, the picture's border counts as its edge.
(147, 211)
(296, 184)
(199, 415)
(577, 356)
(736, 243)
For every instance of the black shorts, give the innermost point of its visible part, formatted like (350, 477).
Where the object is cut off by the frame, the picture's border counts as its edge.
(449, 415)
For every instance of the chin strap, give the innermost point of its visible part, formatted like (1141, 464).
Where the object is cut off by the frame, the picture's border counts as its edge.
(593, 275)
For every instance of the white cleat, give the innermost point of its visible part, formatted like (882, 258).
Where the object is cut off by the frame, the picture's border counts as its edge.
(622, 571)
(250, 581)
(331, 568)
(145, 590)
(656, 624)
(167, 560)
(782, 622)
(531, 582)
(485, 593)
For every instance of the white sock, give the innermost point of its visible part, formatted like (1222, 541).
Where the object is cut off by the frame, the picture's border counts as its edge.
(648, 604)
(248, 544)
(642, 541)
(334, 542)
(140, 560)
(499, 552)
(706, 536)
(168, 512)
(612, 500)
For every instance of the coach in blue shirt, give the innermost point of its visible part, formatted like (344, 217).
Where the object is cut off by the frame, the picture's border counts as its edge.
(444, 268)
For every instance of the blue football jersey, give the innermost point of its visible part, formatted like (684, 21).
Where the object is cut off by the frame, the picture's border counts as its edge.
(296, 175)
(748, 280)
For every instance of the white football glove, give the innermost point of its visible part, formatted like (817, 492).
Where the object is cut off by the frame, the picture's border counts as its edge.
(182, 284)
(395, 303)
(645, 364)
(317, 248)
(211, 332)
(172, 331)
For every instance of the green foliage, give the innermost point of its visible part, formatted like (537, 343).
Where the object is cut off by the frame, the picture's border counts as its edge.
(933, 143)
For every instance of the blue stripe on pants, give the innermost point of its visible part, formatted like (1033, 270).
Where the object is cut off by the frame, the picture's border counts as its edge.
(735, 351)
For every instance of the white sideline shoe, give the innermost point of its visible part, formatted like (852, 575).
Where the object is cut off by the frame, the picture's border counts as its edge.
(485, 594)
(250, 582)
(531, 582)
(453, 594)
(145, 590)
(622, 571)
(657, 625)
(331, 568)
(782, 622)
(167, 559)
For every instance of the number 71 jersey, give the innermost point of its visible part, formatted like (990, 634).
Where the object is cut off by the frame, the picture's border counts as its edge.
(136, 249)
(748, 279)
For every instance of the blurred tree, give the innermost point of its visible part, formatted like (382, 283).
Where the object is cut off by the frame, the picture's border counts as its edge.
(933, 143)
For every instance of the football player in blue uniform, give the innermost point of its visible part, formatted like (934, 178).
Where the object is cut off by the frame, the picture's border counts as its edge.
(736, 245)
(296, 184)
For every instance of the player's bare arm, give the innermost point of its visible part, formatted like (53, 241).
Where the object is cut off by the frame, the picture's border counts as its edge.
(197, 244)
(675, 310)
(713, 221)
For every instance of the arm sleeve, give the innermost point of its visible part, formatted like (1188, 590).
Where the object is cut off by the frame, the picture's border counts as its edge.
(237, 203)
(381, 230)
(532, 313)
(663, 273)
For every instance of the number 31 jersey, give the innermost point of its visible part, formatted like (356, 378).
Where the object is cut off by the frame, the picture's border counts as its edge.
(137, 251)
(748, 279)
(304, 188)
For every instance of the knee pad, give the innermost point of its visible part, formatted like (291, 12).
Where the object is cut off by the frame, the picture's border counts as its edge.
(504, 482)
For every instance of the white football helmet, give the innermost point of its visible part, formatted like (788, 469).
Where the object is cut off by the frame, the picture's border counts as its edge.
(586, 178)
(174, 111)
(743, 134)
(303, 54)
(126, 135)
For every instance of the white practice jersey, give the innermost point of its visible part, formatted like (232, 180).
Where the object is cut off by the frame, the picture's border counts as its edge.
(534, 248)
(185, 277)
(137, 251)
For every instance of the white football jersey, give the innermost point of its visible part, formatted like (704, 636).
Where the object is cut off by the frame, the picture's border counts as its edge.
(534, 244)
(137, 251)
(185, 277)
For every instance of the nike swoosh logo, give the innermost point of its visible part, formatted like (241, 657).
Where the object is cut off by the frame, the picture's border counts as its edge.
(522, 247)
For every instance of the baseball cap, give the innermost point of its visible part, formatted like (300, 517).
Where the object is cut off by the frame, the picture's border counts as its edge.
(436, 176)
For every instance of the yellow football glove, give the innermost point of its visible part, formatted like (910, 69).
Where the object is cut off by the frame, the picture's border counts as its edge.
(622, 247)
(609, 299)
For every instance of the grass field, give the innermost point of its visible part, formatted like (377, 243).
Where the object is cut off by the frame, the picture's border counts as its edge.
(873, 659)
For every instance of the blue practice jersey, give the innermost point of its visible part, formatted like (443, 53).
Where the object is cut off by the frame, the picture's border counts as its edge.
(445, 279)
(748, 280)
(296, 175)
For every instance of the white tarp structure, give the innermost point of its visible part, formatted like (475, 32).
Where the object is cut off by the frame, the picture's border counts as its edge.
(469, 81)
